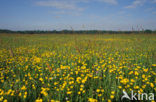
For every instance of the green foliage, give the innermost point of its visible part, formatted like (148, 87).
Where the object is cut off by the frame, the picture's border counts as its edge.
(77, 32)
(76, 68)
(148, 31)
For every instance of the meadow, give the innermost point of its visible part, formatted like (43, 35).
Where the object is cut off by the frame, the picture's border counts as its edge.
(76, 68)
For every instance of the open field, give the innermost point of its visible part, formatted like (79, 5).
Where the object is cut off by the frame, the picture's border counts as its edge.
(71, 68)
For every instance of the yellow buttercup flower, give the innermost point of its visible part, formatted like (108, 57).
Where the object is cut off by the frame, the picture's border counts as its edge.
(98, 90)
(23, 88)
(112, 96)
(39, 100)
(92, 100)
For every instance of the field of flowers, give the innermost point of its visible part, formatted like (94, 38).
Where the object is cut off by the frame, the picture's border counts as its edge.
(84, 68)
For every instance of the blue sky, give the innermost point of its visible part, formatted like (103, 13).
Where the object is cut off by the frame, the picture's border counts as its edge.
(78, 14)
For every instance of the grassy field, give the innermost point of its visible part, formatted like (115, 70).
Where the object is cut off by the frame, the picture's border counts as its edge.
(82, 68)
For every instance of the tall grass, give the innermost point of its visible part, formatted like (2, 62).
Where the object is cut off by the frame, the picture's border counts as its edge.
(76, 67)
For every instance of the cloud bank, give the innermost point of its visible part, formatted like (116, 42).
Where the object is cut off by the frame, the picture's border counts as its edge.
(136, 3)
(70, 4)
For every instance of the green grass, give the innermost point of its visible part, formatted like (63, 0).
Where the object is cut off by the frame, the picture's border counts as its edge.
(76, 67)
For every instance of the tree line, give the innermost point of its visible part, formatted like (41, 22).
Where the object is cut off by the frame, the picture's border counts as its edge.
(77, 32)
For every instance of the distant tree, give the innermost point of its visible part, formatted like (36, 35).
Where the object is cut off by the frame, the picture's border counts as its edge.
(148, 31)
(154, 31)
(5, 31)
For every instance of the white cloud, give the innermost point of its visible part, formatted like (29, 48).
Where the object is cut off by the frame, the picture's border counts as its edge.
(154, 12)
(69, 7)
(149, 9)
(136, 3)
(60, 4)
(64, 12)
(154, 1)
(70, 4)
(109, 1)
